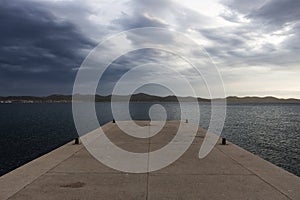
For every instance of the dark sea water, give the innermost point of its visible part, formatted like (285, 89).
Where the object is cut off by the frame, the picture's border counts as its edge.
(271, 131)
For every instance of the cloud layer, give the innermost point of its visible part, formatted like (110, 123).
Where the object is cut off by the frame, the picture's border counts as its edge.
(255, 45)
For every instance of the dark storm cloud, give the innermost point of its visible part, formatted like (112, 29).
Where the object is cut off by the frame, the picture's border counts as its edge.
(126, 62)
(275, 18)
(265, 14)
(231, 49)
(144, 58)
(243, 6)
(278, 12)
(232, 39)
(37, 48)
(42, 43)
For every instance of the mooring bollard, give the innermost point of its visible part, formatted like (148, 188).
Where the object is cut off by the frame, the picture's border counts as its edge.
(186, 121)
(114, 121)
(223, 141)
(76, 140)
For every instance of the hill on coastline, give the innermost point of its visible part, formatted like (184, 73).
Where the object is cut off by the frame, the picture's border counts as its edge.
(141, 97)
(268, 99)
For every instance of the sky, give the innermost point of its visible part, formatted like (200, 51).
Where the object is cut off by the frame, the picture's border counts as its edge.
(254, 44)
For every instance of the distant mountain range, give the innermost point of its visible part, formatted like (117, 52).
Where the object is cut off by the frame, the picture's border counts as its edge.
(141, 97)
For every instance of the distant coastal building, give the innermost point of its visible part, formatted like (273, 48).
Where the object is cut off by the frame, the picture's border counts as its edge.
(5, 101)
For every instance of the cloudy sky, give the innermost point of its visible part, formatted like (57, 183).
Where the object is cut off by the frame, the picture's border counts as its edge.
(255, 44)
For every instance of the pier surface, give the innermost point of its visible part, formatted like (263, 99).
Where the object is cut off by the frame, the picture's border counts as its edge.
(228, 172)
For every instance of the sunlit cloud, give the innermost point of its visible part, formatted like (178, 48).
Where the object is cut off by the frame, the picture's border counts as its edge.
(254, 43)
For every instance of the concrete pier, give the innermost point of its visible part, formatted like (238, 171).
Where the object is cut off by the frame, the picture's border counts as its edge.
(228, 172)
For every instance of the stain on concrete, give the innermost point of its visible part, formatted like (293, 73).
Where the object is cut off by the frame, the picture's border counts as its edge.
(74, 185)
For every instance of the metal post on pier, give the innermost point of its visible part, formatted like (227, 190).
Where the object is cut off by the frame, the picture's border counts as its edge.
(223, 141)
(76, 140)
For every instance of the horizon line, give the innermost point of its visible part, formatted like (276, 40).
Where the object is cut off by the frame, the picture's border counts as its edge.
(231, 96)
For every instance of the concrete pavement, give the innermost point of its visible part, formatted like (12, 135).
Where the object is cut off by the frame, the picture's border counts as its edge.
(228, 172)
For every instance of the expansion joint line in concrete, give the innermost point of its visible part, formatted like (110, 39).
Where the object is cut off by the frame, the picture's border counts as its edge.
(147, 179)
